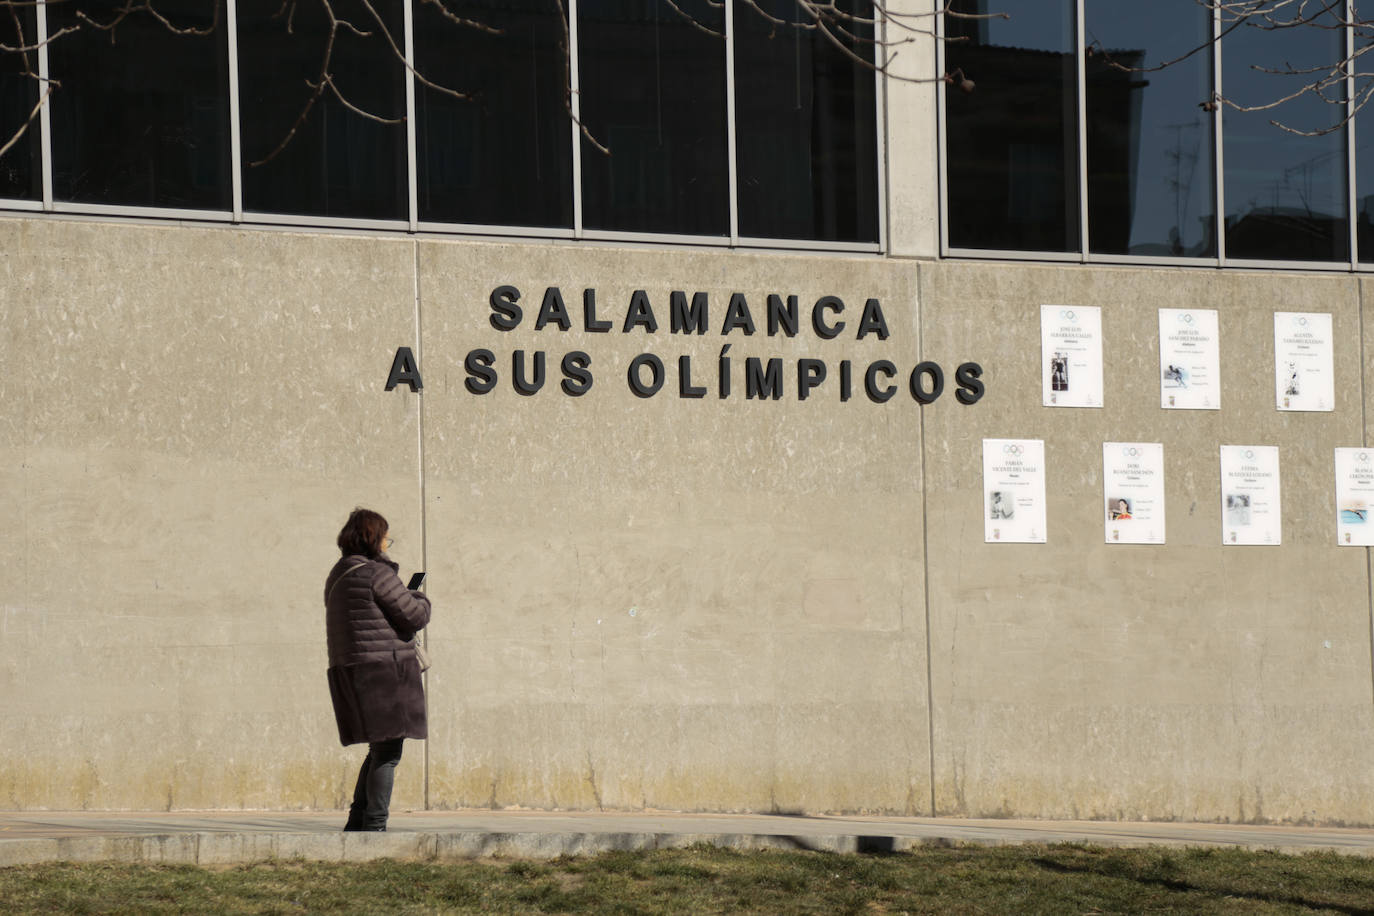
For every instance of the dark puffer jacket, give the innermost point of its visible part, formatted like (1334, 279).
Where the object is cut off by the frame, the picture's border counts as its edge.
(374, 680)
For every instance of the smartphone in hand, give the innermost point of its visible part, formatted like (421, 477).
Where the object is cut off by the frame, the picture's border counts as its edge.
(416, 581)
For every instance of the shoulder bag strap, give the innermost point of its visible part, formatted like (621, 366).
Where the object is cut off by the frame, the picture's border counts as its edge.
(329, 593)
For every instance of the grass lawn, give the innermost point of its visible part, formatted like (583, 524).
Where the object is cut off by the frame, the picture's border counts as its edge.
(1010, 879)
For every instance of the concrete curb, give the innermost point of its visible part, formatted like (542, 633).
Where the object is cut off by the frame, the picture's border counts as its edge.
(239, 848)
(221, 838)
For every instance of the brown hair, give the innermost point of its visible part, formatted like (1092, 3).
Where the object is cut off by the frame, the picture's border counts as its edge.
(363, 533)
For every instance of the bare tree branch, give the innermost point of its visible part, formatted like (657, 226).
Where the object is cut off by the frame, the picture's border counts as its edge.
(29, 120)
(567, 84)
(871, 37)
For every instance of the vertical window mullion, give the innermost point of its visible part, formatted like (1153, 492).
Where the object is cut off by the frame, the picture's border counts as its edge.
(880, 61)
(235, 146)
(412, 177)
(1351, 173)
(731, 165)
(575, 104)
(1219, 142)
(1082, 131)
(44, 114)
(942, 136)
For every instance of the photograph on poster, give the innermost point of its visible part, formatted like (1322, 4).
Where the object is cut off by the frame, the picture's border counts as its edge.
(1071, 355)
(1014, 491)
(1251, 511)
(1304, 373)
(1189, 361)
(1354, 496)
(1133, 492)
(1237, 509)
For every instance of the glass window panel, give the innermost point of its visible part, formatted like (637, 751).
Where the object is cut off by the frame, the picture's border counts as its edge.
(20, 169)
(142, 114)
(338, 162)
(503, 155)
(652, 82)
(1150, 160)
(805, 129)
(1286, 195)
(1012, 143)
(1364, 176)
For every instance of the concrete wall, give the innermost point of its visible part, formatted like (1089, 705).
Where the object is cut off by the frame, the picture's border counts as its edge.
(1189, 681)
(699, 604)
(186, 415)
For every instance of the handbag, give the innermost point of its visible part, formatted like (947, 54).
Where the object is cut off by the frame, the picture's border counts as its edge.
(421, 656)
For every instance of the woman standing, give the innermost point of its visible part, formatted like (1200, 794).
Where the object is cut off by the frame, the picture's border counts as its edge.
(371, 620)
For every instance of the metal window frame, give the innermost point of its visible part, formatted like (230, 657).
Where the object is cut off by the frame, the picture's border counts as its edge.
(1126, 260)
(324, 222)
(941, 142)
(412, 174)
(879, 68)
(1351, 170)
(1218, 144)
(438, 227)
(412, 224)
(731, 164)
(880, 128)
(117, 210)
(231, 27)
(1085, 254)
(575, 109)
(44, 113)
(1081, 70)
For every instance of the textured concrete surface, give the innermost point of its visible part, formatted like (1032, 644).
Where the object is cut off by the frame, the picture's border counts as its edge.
(687, 603)
(1188, 681)
(224, 838)
(647, 602)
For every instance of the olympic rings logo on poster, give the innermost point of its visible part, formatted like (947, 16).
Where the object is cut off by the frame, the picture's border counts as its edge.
(1363, 456)
(1187, 318)
(1068, 315)
(1301, 321)
(1130, 451)
(1249, 454)
(1012, 450)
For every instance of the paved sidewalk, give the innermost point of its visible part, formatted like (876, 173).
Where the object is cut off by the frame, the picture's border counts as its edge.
(226, 838)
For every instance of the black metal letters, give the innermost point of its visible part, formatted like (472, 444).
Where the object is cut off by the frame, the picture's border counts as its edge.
(647, 375)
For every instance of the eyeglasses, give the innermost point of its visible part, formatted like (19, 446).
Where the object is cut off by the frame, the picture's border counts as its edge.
(387, 542)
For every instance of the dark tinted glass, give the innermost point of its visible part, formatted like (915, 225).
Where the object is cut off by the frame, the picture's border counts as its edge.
(142, 115)
(652, 81)
(1364, 177)
(503, 155)
(1150, 187)
(1286, 195)
(805, 131)
(1012, 142)
(338, 162)
(20, 175)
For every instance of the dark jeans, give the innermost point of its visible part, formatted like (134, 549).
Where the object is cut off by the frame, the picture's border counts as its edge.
(372, 794)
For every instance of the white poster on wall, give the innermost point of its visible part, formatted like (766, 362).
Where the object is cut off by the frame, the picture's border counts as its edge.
(1354, 497)
(1189, 360)
(1250, 506)
(1071, 355)
(1133, 492)
(1304, 373)
(1014, 491)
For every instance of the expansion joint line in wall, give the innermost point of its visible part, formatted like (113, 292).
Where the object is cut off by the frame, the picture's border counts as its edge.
(420, 473)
